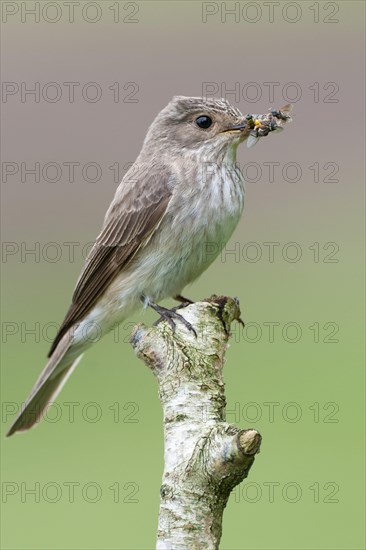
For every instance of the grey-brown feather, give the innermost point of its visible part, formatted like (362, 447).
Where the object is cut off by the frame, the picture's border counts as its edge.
(127, 224)
(32, 413)
(47, 386)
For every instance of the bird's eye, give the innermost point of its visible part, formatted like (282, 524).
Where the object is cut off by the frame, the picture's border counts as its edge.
(204, 122)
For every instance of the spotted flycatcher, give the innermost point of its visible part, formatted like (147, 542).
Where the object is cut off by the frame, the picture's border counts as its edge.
(184, 191)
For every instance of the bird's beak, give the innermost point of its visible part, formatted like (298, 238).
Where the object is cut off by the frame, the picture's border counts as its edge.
(237, 128)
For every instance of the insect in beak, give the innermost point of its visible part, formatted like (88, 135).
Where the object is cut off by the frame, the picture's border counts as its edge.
(262, 125)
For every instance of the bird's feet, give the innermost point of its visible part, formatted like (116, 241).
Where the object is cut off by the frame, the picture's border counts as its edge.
(171, 316)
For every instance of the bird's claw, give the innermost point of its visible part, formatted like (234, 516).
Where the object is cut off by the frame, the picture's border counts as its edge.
(171, 316)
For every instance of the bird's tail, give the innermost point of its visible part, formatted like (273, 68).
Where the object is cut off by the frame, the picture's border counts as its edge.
(51, 381)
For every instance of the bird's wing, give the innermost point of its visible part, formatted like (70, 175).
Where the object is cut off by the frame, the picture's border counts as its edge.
(137, 209)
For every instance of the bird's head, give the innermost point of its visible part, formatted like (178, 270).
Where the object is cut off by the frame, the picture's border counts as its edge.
(198, 125)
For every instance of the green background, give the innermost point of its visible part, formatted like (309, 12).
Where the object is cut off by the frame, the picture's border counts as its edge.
(312, 451)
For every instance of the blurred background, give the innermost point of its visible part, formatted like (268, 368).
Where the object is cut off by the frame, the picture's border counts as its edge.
(82, 81)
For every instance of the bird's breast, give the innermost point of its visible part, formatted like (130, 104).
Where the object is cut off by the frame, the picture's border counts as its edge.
(198, 225)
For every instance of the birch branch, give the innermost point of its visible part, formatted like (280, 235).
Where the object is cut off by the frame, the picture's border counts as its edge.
(205, 457)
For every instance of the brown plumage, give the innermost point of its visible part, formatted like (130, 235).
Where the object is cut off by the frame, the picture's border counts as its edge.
(118, 242)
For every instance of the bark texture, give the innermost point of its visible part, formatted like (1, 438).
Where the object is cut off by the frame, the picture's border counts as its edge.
(205, 457)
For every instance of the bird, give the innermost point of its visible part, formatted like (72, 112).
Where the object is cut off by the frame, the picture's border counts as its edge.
(184, 191)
